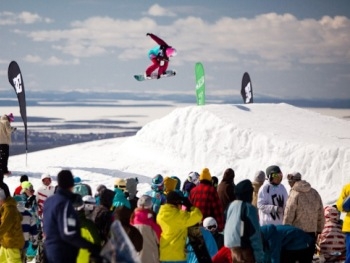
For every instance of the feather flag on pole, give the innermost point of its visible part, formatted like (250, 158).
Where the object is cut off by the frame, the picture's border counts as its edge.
(16, 80)
(200, 83)
(247, 89)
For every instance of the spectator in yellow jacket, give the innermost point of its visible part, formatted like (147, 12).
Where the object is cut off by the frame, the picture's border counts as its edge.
(174, 223)
(343, 206)
(11, 235)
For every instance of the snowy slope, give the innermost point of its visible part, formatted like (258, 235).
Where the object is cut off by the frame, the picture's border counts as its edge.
(245, 137)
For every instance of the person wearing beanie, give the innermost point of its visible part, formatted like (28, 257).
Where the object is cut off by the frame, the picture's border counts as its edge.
(12, 239)
(131, 190)
(44, 191)
(206, 198)
(272, 198)
(226, 188)
(102, 214)
(258, 181)
(22, 179)
(5, 140)
(62, 226)
(174, 223)
(191, 182)
(169, 184)
(293, 177)
(304, 210)
(246, 246)
(332, 239)
(144, 219)
(205, 175)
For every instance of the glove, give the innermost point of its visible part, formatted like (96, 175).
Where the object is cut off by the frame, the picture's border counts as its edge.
(147, 34)
(187, 203)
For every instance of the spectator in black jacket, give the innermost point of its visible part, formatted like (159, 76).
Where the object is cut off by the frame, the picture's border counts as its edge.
(62, 226)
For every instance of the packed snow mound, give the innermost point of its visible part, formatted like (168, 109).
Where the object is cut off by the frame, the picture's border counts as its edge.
(246, 138)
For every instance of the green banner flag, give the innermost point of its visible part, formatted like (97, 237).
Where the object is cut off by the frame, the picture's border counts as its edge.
(200, 84)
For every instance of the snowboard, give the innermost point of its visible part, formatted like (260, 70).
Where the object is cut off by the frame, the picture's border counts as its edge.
(168, 73)
(197, 242)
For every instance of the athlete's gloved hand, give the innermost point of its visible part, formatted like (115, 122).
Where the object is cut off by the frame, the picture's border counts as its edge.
(148, 34)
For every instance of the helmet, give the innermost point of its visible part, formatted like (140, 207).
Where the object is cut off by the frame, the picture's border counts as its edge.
(170, 52)
(210, 223)
(157, 183)
(193, 177)
(120, 183)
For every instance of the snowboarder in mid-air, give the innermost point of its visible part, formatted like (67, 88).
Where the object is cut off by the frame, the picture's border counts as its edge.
(159, 56)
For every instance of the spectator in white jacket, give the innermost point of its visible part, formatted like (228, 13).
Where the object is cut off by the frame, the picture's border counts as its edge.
(272, 198)
(44, 191)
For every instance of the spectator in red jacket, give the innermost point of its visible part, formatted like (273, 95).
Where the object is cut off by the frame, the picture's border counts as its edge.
(205, 197)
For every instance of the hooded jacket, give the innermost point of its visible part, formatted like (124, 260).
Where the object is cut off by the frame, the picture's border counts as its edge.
(304, 208)
(345, 193)
(243, 229)
(174, 223)
(332, 238)
(143, 220)
(5, 130)
(226, 188)
(11, 234)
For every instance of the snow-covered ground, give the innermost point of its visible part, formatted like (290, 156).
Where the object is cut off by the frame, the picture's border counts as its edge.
(246, 138)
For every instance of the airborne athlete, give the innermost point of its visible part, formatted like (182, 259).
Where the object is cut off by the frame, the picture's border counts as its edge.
(159, 56)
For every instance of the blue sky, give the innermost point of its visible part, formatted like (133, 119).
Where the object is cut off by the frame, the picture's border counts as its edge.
(291, 49)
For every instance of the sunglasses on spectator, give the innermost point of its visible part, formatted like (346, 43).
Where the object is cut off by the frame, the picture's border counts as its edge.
(213, 227)
(275, 175)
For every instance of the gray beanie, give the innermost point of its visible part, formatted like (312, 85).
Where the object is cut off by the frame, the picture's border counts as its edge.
(145, 201)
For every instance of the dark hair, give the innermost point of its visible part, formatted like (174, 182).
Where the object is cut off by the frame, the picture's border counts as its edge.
(24, 178)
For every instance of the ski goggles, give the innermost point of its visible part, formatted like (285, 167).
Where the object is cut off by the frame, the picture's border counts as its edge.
(211, 228)
(275, 175)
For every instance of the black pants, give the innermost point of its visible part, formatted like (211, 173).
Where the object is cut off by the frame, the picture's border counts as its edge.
(292, 256)
(4, 157)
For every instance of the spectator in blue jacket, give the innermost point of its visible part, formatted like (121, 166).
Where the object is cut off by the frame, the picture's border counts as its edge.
(242, 230)
(61, 225)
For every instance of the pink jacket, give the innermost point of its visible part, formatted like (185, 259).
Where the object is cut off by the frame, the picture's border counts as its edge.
(145, 217)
